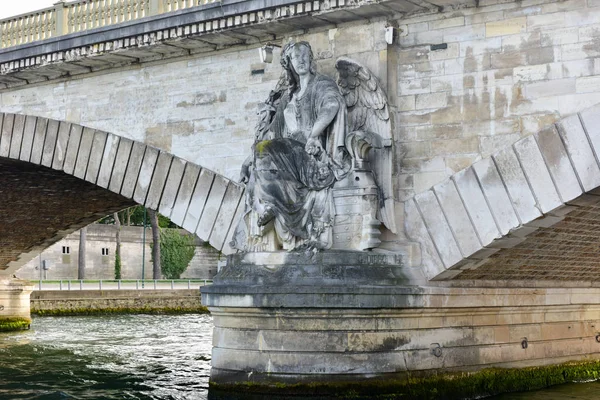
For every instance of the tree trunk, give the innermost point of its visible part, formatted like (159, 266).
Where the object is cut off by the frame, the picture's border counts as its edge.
(118, 248)
(81, 264)
(155, 244)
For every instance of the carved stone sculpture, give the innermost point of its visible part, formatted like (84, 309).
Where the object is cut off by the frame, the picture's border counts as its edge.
(319, 176)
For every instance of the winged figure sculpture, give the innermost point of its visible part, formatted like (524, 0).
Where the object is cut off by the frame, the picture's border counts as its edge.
(319, 176)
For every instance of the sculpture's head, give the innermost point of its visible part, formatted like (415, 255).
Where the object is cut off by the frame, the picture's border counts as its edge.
(297, 59)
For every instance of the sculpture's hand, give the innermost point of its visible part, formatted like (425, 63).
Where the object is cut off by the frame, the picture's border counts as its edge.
(313, 147)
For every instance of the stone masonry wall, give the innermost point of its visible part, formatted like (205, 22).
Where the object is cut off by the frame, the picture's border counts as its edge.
(99, 266)
(200, 108)
(509, 69)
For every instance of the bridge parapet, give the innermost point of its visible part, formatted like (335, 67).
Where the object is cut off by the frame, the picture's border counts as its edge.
(77, 16)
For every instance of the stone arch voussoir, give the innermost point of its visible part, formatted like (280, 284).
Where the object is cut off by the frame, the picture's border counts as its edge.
(500, 200)
(201, 201)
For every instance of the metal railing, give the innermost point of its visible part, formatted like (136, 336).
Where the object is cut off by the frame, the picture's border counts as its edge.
(77, 16)
(128, 284)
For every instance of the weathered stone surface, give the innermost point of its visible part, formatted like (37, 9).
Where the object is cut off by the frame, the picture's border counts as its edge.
(477, 208)
(83, 153)
(145, 175)
(438, 228)
(558, 163)
(580, 152)
(159, 179)
(520, 192)
(457, 216)
(96, 156)
(496, 195)
(537, 174)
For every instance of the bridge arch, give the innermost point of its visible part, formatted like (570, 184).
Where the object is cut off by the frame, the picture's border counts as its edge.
(529, 212)
(121, 171)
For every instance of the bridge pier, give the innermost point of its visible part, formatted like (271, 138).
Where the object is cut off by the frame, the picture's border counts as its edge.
(14, 304)
(327, 320)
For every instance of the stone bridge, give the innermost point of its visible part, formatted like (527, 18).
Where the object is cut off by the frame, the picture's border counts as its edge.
(496, 138)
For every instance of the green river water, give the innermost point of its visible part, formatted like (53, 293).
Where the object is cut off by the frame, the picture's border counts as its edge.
(137, 357)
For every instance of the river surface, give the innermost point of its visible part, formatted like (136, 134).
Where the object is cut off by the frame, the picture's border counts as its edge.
(137, 357)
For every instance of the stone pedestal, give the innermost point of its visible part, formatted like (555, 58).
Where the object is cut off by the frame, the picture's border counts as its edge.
(14, 304)
(339, 317)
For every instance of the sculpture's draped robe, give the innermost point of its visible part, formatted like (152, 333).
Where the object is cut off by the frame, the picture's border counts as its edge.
(293, 183)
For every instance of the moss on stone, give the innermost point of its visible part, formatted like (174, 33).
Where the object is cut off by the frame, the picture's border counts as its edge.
(8, 324)
(486, 382)
(120, 310)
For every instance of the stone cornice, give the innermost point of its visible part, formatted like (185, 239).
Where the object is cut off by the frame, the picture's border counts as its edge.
(199, 29)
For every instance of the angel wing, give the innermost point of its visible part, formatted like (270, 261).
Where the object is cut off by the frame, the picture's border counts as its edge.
(368, 111)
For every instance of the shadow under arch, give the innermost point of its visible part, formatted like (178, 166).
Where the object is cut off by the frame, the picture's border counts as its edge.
(56, 177)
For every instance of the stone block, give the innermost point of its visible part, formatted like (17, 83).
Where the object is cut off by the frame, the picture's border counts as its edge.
(239, 213)
(184, 193)
(476, 205)
(560, 37)
(530, 73)
(109, 155)
(587, 84)
(62, 143)
(464, 33)
(96, 155)
(521, 42)
(49, 143)
(432, 100)
(496, 195)
(508, 59)
(450, 52)
(23, 149)
(72, 149)
(438, 228)
(447, 23)
(132, 172)
(414, 86)
(590, 119)
(558, 163)
(6, 133)
(506, 27)
(457, 217)
(83, 154)
(478, 47)
(555, 87)
(537, 174)
(201, 190)
(406, 103)
(546, 22)
(211, 207)
(416, 230)
(233, 198)
(38, 141)
(142, 185)
(171, 186)
(159, 178)
(580, 152)
(120, 165)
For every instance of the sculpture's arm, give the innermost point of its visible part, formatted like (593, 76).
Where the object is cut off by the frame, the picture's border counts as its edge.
(325, 116)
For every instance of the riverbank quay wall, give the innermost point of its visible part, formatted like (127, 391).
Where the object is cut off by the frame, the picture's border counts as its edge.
(473, 89)
(91, 302)
(63, 256)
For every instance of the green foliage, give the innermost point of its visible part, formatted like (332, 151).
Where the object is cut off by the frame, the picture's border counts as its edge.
(440, 386)
(117, 266)
(176, 252)
(136, 218)
(8, 324)
(120, 310)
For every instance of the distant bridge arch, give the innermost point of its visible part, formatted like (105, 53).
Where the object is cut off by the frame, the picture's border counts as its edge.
(84, 173)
